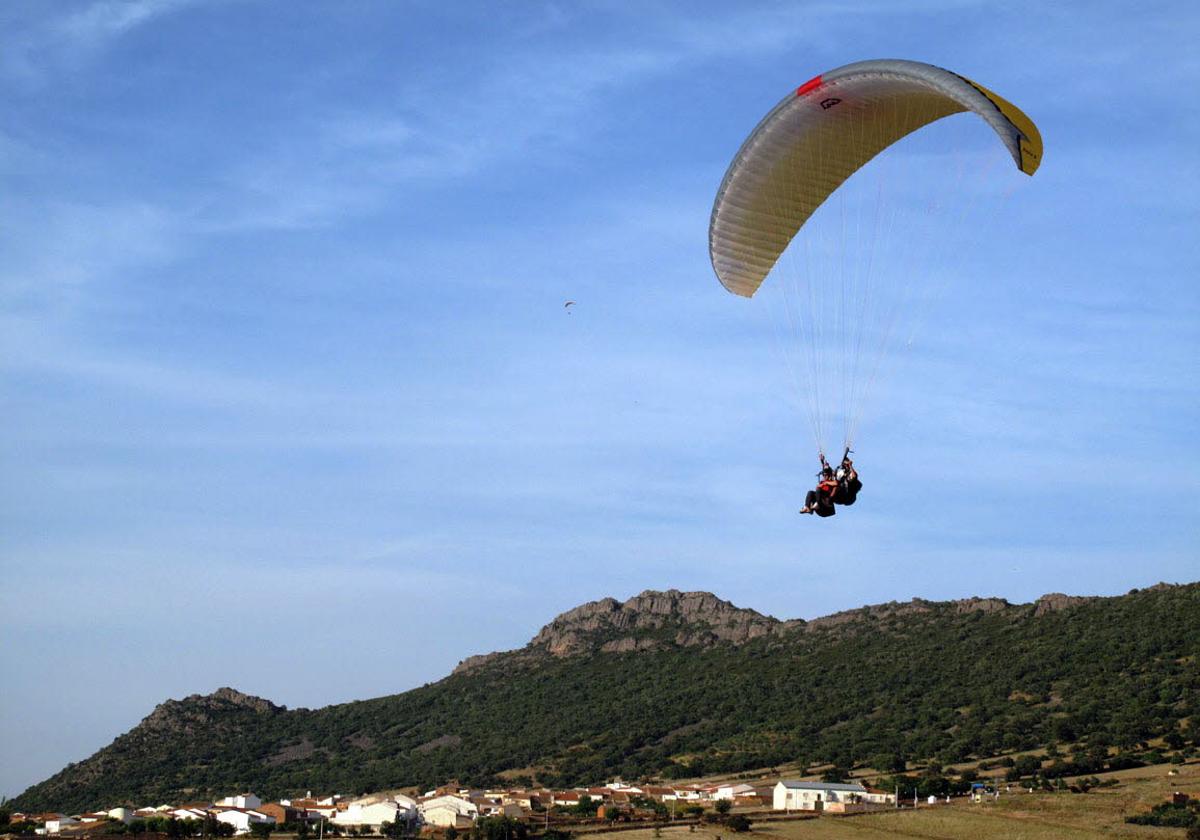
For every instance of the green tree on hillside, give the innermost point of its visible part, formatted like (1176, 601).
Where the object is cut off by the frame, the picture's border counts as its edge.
(889, 762)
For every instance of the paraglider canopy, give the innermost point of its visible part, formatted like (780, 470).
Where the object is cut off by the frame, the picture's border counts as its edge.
(822, 133)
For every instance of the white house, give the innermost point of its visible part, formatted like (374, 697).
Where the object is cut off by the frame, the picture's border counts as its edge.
(56, 825)
(121, 814)
(733, 791)
(488, 805)
(242, 800)
(448, 811)
(446, 816)
(813, 796)
(241, 818)
(879, 797)
(189, 813)
(373, 814)
(688, 794)
(406, 803)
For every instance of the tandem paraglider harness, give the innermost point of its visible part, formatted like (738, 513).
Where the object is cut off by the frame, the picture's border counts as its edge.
(840, 488)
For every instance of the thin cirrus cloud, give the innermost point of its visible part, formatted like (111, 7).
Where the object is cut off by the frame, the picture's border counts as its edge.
(350, 161)
(41, 46)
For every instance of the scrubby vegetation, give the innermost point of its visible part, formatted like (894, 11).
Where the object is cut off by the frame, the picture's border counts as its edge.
(1169, 815)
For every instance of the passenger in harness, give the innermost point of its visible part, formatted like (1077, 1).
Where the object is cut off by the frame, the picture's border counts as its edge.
(820, 501)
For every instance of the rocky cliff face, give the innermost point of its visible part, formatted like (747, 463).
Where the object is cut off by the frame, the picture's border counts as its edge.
(1055, 601)
(201, 709)
(651, 620)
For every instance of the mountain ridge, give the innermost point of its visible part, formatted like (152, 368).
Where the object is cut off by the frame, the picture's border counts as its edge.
(675, 683)
(568, 633)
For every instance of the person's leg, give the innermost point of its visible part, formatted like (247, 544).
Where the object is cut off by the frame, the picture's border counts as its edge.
(810, 502)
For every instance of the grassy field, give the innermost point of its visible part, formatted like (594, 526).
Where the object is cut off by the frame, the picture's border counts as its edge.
(1016, 816)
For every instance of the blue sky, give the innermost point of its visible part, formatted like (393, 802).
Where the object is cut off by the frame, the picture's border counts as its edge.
(289, 387)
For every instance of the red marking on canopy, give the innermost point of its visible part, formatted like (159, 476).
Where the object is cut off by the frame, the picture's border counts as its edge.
(810, 85)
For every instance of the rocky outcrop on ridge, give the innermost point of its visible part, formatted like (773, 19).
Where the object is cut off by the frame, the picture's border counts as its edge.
(1055, 601)
(200, 709)
(651, 620)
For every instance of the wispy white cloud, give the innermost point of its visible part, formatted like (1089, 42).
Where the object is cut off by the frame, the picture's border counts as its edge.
(546, 98)
(51, 354)
(105, 20)
(70, 36)
(54, 249)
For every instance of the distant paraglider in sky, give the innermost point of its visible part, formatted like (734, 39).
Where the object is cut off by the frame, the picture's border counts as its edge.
(859, 248)
(567, 306)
